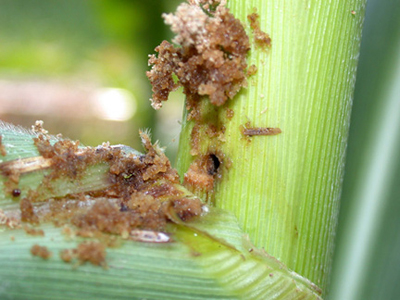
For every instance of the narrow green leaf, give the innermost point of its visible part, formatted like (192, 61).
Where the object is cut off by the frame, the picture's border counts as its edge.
(367, 261)
(211, 259)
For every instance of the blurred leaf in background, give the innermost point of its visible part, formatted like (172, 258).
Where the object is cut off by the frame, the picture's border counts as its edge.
(80, 66)
(367, 262)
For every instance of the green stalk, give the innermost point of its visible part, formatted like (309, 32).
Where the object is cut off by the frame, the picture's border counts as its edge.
(285, 189)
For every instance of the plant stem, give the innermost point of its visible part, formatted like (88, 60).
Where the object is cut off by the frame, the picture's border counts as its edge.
(285, 189)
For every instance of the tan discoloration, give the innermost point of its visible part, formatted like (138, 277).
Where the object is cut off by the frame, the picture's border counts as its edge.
(3, 151)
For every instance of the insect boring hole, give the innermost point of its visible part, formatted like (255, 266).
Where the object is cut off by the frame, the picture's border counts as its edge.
(212, 163)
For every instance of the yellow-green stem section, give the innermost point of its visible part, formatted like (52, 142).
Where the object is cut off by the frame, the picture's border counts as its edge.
(285, 189)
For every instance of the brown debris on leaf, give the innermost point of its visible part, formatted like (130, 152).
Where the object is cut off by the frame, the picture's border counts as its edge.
(140, 192)
(33, 231)
(261, 39)
(140, 188)
(27, 212)
(41, 251)
(93, 252)
(211, 59)
(252, 70)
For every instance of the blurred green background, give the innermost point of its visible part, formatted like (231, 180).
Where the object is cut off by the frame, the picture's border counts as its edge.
(367, 256)
(80, 66)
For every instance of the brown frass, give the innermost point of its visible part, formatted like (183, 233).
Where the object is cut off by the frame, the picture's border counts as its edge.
(27, 212)
(252, 70)
(41, 251)
(210, 59)
(93, 252)
(261, 39)
(33, 231)
(139, 192)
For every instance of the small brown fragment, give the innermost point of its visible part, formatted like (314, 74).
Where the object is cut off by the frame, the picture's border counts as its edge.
(67, 255)
(41, 251)
(16, 192)
(353, 12)
(252, 70)
(38, 128)
(92, 252)
(3, 151)
(186, 209)
(33, 231)
(251, 131)
(27, 212)
(261, 39)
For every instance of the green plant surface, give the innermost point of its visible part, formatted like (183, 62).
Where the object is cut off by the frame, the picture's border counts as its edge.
(285, 189)
(210, 258)
(279, 192)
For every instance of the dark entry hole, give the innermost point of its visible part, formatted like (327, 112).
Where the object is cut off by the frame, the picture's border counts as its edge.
(213, 164)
